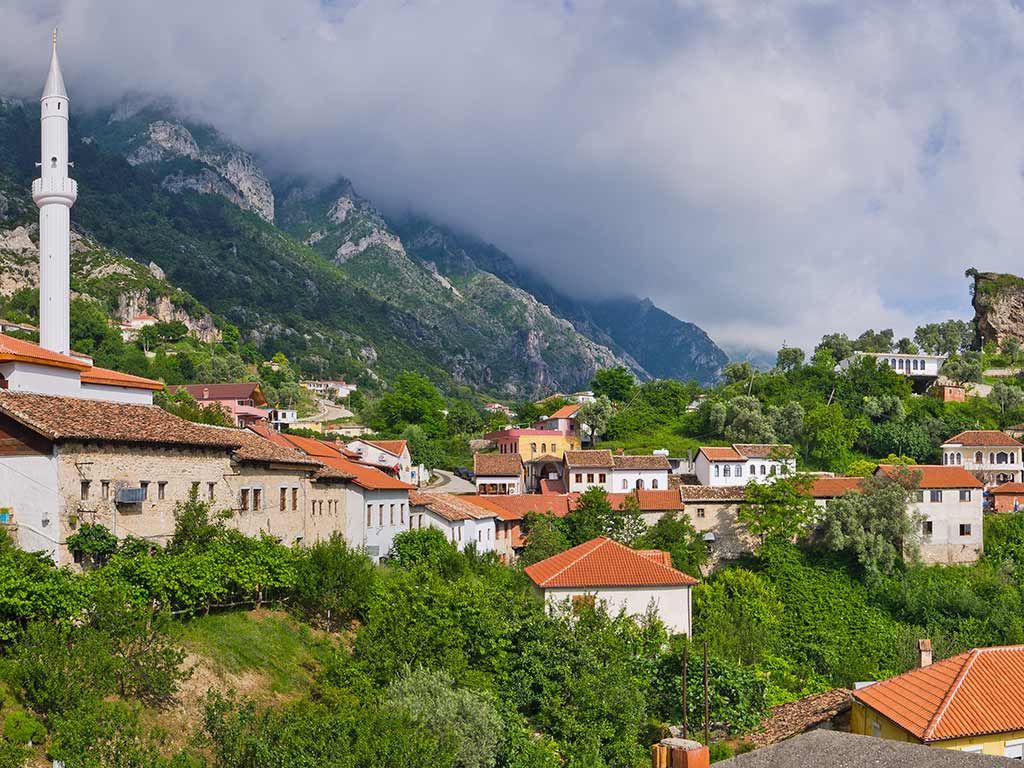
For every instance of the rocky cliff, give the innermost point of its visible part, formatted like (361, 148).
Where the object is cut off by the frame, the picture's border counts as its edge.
(998, 300)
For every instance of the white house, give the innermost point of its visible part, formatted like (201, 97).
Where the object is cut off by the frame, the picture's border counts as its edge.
(499, 474)
(742, 462)
(919, 366)
(604, 571)
(280, 418)
(334, 388)
(640, 472)
(586, 469)
(461, 522)
(950, 499)
(392, 456)
(990, 455)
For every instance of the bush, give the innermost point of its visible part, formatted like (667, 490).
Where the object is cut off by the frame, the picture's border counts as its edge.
(333, 582)
(12, 755)
(23, 728)
(104, 734)
(427, 547)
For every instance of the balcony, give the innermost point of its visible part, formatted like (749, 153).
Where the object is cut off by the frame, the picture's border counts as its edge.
(55, 190)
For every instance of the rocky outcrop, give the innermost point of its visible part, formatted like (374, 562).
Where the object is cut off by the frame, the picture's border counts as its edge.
(4, 207)
(998, 300)
(351, 248)
(134, 303)
(234, 173)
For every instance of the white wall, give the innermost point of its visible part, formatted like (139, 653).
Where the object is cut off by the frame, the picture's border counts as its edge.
(740, 471)
(653, 479)
(41, 379)
(515, 483)
(460, 532)
(28, 485)
(116, 394)
(579, 487)
(672, 603)
(945, 544)
(379, 535)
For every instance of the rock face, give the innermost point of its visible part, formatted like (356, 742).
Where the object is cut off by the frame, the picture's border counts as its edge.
(998, 301)
(233, 173)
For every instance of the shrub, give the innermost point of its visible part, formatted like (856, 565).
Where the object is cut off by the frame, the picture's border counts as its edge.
(333, 582)
(23, 728)
(426, 547)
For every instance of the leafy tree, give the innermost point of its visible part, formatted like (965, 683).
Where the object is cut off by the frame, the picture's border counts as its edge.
(838, 345)
(195, 523)
(787, 422)
(528, 412)
(874, 341)
(906, 347)
(93, 541)
(463, 419)
(435, 702)
(781, 508)
(735, 373)
(333, 582)
(789, 358)
(183, 405)
(714, 415)
(747, 422)
(740, 614)
(828, 435)
(592, 516)
(426, 547)
(675, 534)
(962, 369)
(104, 734)
(1007, 399)
(413, 399)
(596, 416)
(946, 338)
(544, 537)
(617, 384)
(875, 525)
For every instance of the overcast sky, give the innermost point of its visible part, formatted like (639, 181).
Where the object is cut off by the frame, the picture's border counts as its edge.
(770, 171)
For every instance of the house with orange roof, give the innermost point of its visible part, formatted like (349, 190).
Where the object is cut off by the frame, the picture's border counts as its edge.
(738, 464)
(391, 456)
(604, 571)
(531, 444)
(512, 510)
(498, 473)
(1008, 497)
(243, 402)
(462, 522)
(992, 456)
(971, 702)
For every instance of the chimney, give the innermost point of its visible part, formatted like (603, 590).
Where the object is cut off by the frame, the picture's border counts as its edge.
(621, 451)
(206, 393)
(680, 753)
(924, 653)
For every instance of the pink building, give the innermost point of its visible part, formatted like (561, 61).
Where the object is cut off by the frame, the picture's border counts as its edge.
(244, 402)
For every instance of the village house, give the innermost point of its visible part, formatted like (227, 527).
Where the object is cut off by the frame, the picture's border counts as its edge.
(714, 514)
(64, 461)
(130, 329)
(462, 522)
(1008, 497)
(544, 474)
(640, 472)
(244, 402)
(511, 511)
(391, 456)
(971, 702)
(740, 463)
(584, 470)
(532, 443)
(603, 570)
(504, 410)
(922, 367)
(282, 418)
(330, 388)
(990, 455)
(498, 474)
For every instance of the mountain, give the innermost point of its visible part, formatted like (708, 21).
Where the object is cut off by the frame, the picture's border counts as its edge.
(315, 271)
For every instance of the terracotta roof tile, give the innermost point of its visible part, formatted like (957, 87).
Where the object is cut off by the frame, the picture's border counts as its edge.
(246, 390)
(712, 493)
(715, 453)
(1015, 488)
(591, 458)
(12, 349)
(497, 464)
(516, 507)
(451, 507)
(565, 412)
(394, 447)
(552, 486)
(365, 476)
(657, 555)
(982, 437)
(107, 377)
(255, 448)
(545, 458)
(971, 694)
(936, 476)
(831, 487)
(602, 562)
(798, 716)
(641, 462)
(656, 501)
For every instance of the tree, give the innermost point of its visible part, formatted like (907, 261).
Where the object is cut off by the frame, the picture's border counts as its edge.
(595, 417)
(527, 412)
(463, 419)
(428, 548)
(838, 345)
(962, 369)
(1010, 347)
(778, 509)
(828, 435)
(789, 358)
(875, 524)
(1007, 399)
(94, 542)
(617, 384)
(739, 613)
(195, 523)
(333, 582)
(906, 347)
(787, 422)
(874, 341)
(747, 422)
(675, 534)
(544, 536)
(628, 526)
(413, 399)
(592, 516)
(735, 373)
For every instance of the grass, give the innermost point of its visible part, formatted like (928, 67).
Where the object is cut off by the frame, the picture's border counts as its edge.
(266, 642)
(663, 437)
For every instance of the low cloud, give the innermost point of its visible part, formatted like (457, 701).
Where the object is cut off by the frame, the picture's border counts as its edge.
(769, 171)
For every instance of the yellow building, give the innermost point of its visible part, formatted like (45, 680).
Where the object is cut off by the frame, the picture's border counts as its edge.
(533, 443)
(972, 702)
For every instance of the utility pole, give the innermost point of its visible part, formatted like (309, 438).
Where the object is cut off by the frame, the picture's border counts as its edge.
(686, 654)
(707, 737)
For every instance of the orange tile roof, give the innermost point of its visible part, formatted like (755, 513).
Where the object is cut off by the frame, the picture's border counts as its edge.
(983, 437)
(516, 507)
(451, 507)
(656, 501)
(713, 494)
(595, 457)
(107, 377)
(657, 555)
(552, 486)
(651, 461)
(713, 453)
(311, 446)
(364, 476)
(971, 694)
(936, 476)
(831, 487)
(394, 447)
(16, 350)
(565, 412)
(602, 562)
(1008, 488)
(497, 465)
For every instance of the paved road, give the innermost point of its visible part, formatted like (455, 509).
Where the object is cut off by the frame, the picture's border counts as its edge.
(449, 483)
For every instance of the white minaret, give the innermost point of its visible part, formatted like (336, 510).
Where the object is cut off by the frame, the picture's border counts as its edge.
(54, 194)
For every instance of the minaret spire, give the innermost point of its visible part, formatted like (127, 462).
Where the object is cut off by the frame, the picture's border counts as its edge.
(54, 193)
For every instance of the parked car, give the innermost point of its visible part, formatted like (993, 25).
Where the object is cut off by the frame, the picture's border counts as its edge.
(462, 472)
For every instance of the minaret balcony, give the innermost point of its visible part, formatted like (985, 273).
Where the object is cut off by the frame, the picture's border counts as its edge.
(55, 189)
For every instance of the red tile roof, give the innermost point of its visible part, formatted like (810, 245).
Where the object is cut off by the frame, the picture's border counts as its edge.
(364, 476)
(246, 390)
(712, 494)
(497, 465)
(111, 378)
(798, 716)
(831, 487)
(971, 694)
(565, 412)
(714, 453)
(641, 462)
(1016, 488)
(656, 501)
(394, 447)
(516, 507)
(982, 437)
(451, 507)
(16, 350)
(591, 458)
(602, 562)
(552, 486)
(657, 555)
(936, 476)
(311, 446)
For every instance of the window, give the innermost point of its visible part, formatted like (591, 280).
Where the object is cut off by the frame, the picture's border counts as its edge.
(104, 489)
(700, 512)
(991, 458)
(717, 470)
(369, 514)
(640, 484)
(739, 470)
(654, 484)
(533, 447)
(978, 458)
(543, 447)
(625, 484)
(401, 513)
(965, 494)
(85, 490)
(772, 470)
(926, 527)
(161, 489)
(391, 520)
(965, 529)
(919, 496)
(936, 496)
(284, 499)
(945, 458)
(1014, 749)
(243, 502)
(579, 477)
(727, 470)
(209, 490)
(145, 490)
(602, 477)
(764, 467)
(295, 499)
(590, 477)
(960, 457)
(256, 500)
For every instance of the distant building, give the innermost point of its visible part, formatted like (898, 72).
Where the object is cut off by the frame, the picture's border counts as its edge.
(329, 388)
(461, 521)
(918, 366)
(737, 464)
(1008, 497)
(349, 430)
(282, 418)
(586, 396)
(614, 472)
(498, 474)
(243, 402)
(504, 410)
(990, 455)
(392, 456)
(602, 570)
(949, 393)
(130, 329)
(533, 443)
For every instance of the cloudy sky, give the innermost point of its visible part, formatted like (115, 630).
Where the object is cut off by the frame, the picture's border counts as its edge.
(768, 170)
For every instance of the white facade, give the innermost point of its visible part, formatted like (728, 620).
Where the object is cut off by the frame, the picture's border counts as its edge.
(630, 479)
(54, 193)
(461, 533)
(739, 471)
(281, 417)
(581, 479)
(953, 527)
(375, 456)
(504, 485)
(997, 464)
(29, 490)
(914, 366)
(385, 514)
(41, 379)
(673, 603)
